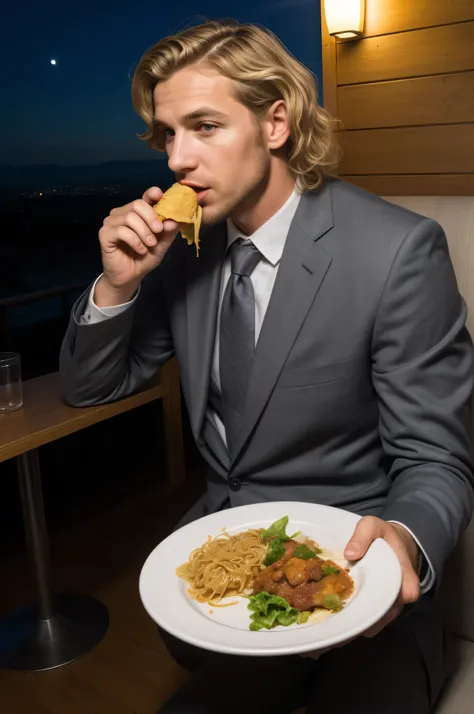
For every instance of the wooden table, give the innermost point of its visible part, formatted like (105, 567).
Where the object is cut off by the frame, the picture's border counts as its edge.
(59, 629)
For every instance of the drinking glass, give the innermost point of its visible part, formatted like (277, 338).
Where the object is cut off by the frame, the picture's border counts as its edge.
(11, 391)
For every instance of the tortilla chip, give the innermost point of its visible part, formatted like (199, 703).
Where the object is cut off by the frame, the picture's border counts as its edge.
(179, 203)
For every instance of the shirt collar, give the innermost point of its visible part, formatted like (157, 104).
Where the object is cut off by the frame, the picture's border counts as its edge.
(270, 238)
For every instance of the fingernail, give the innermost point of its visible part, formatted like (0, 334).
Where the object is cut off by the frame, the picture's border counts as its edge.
(150, 240)
(157, 226)
(350, 553)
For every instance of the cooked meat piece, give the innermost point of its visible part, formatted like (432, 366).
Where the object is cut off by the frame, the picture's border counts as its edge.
(302, 597)
(295, 571)
(341, 585)
(267, 580)
(301, 582)
(314, 569)
(299, 571)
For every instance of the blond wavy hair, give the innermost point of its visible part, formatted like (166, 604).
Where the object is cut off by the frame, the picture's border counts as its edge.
(263, 71)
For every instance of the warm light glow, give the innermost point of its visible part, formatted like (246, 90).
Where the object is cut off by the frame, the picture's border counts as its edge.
(345, 18)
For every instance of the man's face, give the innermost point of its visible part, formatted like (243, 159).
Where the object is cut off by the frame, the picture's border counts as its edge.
(212, 140)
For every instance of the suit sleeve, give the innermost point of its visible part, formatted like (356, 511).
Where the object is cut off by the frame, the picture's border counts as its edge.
(92, 313)
(422, 371)
(108, 360)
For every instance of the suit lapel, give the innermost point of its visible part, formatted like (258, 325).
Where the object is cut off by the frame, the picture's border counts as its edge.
(203, 279)
(302, 270)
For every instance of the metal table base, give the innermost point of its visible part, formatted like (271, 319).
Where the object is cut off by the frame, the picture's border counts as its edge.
(58, 629)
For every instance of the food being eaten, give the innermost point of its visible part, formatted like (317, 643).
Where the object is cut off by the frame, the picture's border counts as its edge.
(285, 579)
(179, 203)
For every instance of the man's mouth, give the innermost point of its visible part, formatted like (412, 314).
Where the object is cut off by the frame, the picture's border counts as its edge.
(201, 191)
(196, 186)
(201, 195)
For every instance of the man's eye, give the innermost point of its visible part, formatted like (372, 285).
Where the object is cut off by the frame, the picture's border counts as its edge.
(207, 128)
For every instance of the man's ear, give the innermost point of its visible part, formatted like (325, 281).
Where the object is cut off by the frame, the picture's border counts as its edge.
(275, 126)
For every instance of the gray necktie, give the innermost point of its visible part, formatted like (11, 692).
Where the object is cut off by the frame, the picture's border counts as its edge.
(237, 338)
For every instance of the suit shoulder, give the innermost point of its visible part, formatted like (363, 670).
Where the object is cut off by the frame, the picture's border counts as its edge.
(373, 210)
(366, 224)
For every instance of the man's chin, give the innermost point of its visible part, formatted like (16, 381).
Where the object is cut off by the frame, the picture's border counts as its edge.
(211, 216)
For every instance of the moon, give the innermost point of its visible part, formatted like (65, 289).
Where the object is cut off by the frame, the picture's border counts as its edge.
(53, 61)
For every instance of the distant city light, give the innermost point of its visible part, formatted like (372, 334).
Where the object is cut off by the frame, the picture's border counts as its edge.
(53, 61)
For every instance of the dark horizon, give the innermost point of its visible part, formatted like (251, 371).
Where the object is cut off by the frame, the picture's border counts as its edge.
(32, 178)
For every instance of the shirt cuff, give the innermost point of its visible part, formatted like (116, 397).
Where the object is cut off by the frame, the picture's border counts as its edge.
(93, 314)
(427, 573)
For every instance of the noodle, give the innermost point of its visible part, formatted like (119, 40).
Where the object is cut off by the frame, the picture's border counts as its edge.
(224, 566)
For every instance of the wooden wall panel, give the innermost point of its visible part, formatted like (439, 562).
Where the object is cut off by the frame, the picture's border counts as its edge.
(443, 99)
(412, 150)
(417, 184)
(389, 16)
(436, 50)
(405, 96)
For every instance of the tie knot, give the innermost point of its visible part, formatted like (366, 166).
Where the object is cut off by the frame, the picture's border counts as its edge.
(244, 258)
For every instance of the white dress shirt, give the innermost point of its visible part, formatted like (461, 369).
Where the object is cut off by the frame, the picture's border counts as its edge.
(270, 240)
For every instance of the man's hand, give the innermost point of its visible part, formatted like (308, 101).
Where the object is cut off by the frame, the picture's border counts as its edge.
(133, 242)
(367, 530)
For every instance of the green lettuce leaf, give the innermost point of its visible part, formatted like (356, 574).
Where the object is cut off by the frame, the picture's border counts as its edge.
(287, 618)
(277, 529)
(269, 611)
(276, 534)
(275, 551)
(302, 551)
(259, 602)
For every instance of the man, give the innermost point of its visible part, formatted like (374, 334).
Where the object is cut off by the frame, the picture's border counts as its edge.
(322, 347)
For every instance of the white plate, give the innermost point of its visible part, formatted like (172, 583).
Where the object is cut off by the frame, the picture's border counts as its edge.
(377, 579)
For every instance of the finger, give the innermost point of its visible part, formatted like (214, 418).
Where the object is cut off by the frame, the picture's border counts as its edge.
(366, 531)
(410, 586)
(406, 554)
(410, 590)
(137, 224)
(126, 235)
(152, 195)
(163, 244)
(170, 226)
(142, 209)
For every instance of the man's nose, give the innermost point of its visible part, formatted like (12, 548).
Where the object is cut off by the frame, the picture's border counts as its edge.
(181, 158)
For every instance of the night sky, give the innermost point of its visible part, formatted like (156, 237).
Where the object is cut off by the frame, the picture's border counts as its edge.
(79, 111)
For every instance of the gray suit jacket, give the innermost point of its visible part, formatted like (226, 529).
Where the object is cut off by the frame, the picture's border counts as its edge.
(361, 385)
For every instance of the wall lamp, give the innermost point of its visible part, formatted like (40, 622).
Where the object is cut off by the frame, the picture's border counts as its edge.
(345, 18)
